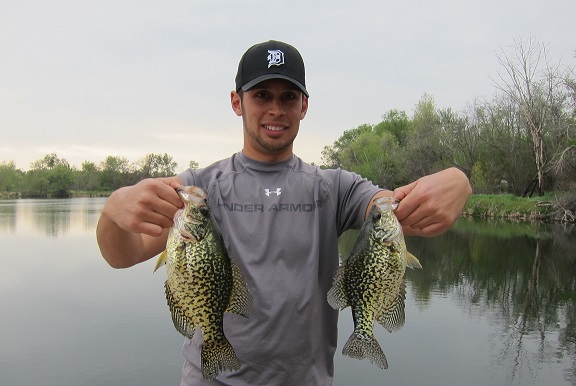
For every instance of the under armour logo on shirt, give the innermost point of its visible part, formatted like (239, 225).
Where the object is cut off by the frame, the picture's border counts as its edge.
(275, 57)
(277, 192)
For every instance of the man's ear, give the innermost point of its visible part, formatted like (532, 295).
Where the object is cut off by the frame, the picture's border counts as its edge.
(304, 107)
(236, 102)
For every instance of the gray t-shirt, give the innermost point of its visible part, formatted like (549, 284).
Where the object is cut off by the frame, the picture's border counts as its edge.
(280, 222)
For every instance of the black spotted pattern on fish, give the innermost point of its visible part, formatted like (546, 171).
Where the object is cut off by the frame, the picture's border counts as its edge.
(203, 282)
(371, 281)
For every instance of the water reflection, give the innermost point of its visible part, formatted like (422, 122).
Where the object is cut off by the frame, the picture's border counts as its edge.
(520, 277)
(494, 305)
(7, 216)
(50, 217)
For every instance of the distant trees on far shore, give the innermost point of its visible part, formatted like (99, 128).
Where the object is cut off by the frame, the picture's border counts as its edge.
(52, 176)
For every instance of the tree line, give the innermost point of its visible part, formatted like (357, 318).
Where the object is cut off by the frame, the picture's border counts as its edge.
(52, 176)
(523, 139)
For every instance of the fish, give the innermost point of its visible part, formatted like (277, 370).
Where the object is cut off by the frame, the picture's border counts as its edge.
(202, 281)
(371, 281)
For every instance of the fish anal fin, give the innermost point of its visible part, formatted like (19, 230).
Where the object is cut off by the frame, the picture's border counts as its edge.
(394, 317)
(412, 261)
(240, 299)
(337, 294)
(182, 323)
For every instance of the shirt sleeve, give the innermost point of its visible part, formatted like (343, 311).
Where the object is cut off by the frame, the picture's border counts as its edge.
(354, 195)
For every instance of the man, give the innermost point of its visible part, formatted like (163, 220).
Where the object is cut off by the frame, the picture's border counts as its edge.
(280, 219)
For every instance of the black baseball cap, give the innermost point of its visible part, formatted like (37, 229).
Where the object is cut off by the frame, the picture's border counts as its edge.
(270, 60)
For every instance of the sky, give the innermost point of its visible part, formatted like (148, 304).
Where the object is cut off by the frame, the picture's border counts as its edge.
(91, 79)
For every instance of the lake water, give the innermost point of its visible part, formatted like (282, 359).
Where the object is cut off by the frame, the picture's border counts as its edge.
(494, 305)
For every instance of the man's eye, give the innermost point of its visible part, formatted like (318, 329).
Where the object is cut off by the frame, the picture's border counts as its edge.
(290, 96)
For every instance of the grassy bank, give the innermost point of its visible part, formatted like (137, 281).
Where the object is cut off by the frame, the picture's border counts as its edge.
(507, 206)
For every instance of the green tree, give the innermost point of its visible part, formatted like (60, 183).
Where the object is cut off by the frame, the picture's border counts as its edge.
(395, 122)
(48, 162)
(88, 178)
(10, 177)
(60, 180)
(374, 157)
(36, 183)
(116, 172)
(50, 175)
(369, 150)
(157, 165)
(424, 151)
(331, 155)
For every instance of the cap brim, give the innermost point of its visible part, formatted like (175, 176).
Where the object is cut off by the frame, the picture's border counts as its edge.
(262, 78)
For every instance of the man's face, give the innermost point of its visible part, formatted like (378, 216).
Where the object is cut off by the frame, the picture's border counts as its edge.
(271, 112)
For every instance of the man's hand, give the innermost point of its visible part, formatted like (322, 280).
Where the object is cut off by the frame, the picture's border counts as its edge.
(134, 221)
(147, 207)
(431, 204)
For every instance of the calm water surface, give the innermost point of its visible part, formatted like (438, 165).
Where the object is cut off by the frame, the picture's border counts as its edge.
(494, 305)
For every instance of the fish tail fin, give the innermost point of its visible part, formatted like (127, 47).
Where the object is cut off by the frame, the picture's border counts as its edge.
(362, 346)
(161, 260)
(412, 261)
(217, 356)
(337, 294)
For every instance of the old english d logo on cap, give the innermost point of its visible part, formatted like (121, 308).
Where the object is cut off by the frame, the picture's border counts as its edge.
(270, 60)
(275, 58)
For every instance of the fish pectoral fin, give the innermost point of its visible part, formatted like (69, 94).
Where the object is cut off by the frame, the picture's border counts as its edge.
(337, 294)
(412, 261)
(240, 299)
(161, 260)
(393, 318)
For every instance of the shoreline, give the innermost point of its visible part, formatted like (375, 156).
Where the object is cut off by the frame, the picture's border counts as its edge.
(548, 208)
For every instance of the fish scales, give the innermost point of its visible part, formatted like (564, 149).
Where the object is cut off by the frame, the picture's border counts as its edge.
(371, 281)
(203, 282)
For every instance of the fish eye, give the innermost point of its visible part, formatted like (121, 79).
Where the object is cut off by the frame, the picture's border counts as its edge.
(376, 216)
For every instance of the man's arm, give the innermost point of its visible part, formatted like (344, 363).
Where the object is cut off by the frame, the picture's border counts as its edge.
(430, 205)
(134, 222)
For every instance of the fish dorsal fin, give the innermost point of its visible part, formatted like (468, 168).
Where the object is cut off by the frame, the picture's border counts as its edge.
(240, 299)
(412, 261)
(161, 260)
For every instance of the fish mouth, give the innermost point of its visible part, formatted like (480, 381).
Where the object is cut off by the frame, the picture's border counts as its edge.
(387, 203)
(192, 195)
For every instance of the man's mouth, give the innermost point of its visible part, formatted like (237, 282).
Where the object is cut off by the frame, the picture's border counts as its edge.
(274, 128)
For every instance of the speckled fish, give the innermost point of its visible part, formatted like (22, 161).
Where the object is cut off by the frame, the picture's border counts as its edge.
(203, 282)
(371, 281)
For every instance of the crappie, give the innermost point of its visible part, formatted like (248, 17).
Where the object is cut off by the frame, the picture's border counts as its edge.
(371, 281)
(202, 281)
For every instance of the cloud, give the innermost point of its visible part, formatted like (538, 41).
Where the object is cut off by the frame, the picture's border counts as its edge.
(126, 77)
